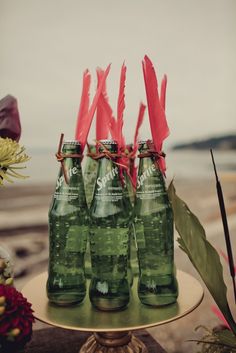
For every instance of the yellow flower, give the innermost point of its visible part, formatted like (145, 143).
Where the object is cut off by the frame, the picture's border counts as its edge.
(11, 153)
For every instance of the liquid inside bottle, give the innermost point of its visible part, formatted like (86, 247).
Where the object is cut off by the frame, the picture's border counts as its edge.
(109, 237)
(153, 220)
(68, 233)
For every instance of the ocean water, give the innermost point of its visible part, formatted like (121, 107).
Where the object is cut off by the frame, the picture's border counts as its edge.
(186, 164)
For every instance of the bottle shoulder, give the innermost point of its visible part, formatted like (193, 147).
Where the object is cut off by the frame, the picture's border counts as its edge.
(109, 217)
(163, 209)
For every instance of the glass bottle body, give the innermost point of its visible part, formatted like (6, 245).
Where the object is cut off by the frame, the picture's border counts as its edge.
(68, 233)
(153, 221)
(109, 238)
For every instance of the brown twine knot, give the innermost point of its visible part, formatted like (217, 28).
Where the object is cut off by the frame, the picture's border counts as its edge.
(152, 152)
(61, 156)
(113, 157)
(106, 153)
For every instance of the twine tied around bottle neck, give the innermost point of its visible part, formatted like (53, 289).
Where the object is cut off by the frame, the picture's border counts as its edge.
(61, 156)
(152, 152)
(106, 153)
(130, 156)
(113, 157)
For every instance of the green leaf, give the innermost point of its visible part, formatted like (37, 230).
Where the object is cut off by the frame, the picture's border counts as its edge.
(226, 337)
(201, 253)
(222, 341)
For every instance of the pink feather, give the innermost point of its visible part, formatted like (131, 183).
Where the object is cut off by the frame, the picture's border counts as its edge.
(121, 107)
(116, 125)
(83, 130)
(102, 120)
(84, 104)
(113, 128)
(219, 314)
(158, 123)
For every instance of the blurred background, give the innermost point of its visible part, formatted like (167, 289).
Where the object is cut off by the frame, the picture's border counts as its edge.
(46, 46)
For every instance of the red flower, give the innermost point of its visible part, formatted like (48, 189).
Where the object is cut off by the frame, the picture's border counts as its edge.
(16, 318)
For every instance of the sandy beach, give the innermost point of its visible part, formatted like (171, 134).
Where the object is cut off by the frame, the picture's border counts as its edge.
(23, 231)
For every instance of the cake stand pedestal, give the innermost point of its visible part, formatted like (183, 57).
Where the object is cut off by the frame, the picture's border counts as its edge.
(112, 331)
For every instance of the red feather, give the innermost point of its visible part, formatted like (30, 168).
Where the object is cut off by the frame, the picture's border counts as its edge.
(121, 107)
(102, 120)
(84, 104)
(142, 108)
(113, 128)
(116, 125)
(109, 116)
(87, 120)
(159, 127)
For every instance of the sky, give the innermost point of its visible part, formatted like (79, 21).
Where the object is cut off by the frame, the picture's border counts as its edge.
(46, 46)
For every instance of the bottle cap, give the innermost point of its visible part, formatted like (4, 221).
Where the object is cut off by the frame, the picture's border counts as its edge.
(72, 142)
(110, 145)
(108, 142)
(142, 142)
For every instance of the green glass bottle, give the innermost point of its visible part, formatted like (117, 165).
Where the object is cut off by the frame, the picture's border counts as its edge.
(129, 193)
(68, 232)
(109, 236)
(153, 222)
(90, 174)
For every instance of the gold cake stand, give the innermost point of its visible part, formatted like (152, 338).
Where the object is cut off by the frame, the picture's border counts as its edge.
(112, 330)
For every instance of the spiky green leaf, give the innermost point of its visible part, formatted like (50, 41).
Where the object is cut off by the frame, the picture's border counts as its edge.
(201, 253)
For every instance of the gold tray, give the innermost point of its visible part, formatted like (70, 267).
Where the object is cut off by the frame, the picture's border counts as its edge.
(84, 317)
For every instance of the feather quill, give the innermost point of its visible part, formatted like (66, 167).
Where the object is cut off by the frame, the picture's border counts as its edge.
(121, 107)
(158, 123)
(163, 92)
(84, 127)
(102, 119)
